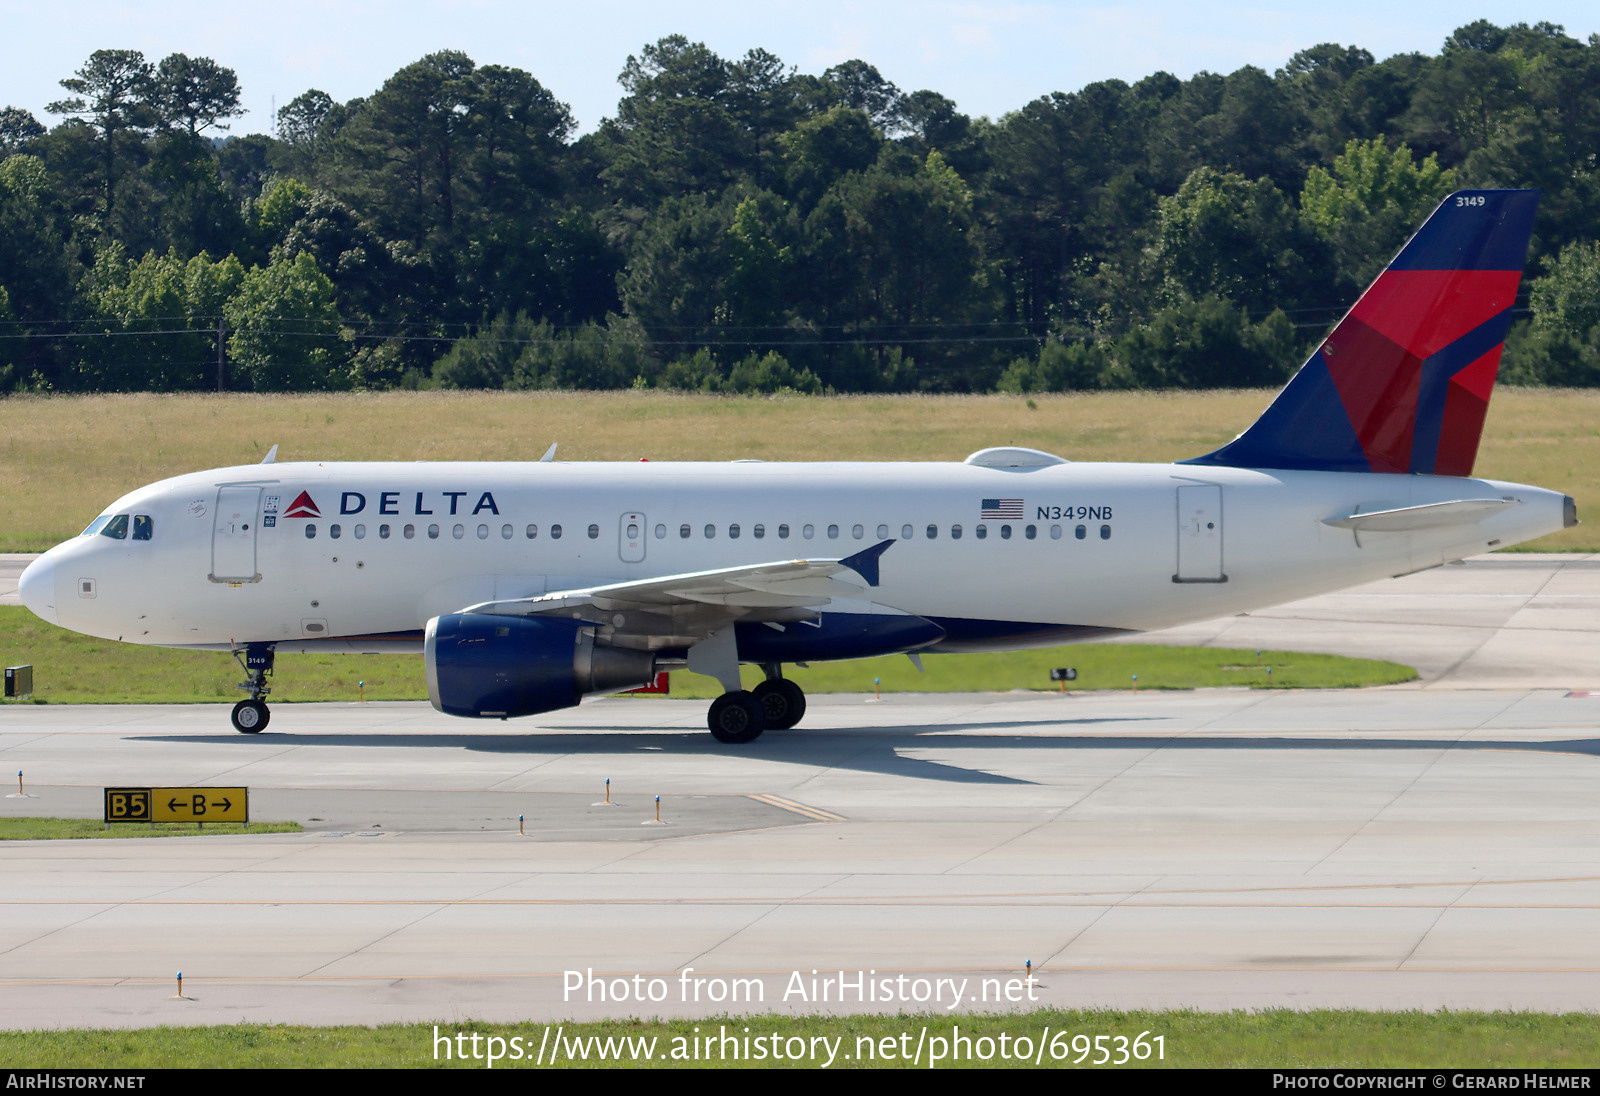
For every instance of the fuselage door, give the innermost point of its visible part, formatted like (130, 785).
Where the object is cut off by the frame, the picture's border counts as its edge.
(1200, 534)
(631, 534)
(233, 537)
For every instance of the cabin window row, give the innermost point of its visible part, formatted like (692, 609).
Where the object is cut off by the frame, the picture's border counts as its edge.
(685, 531)
(434, 532)
(884, 531)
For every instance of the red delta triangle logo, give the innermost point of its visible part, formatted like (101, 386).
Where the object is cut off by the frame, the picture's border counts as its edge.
(302, 507)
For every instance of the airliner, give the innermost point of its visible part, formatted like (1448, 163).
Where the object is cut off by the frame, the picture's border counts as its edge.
(526, 586)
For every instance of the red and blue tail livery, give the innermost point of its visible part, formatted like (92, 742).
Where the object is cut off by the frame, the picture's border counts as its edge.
(1403, 382)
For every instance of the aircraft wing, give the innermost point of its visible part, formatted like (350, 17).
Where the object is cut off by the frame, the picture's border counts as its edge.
(749, 592)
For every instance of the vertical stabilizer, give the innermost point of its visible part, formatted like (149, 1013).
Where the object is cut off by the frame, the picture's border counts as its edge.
(1403, 382)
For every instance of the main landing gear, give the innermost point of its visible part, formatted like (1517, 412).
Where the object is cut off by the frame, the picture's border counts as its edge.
(251, 716)
(739, 717)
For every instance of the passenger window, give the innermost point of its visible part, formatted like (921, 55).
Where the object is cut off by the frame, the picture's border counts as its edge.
(955, 532)
(311, 530)
(1105, 532)
(906, 532)
(96, 525)
(1031, 532)
(683, 532)
(555, 532)
(409, 532)
(433, 532)
(733, 532)
(758, 531)
(533, 532)
(117, 529)
(594, 532)
(808, 532)
(142, 527)
(933, 532)
(883, 532)
(505, 532)
(383, 532)
(1080, 532)
(783, 532)
(458, 531)
(833, 532)
(857, 532)
(1005, 532)
(1055, 532)
(483, 532)
(661, 532)
(711, 531)
(981, 530)
(360, 532)
(334, 531)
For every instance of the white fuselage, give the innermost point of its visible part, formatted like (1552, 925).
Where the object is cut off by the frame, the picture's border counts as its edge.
(1065, 550)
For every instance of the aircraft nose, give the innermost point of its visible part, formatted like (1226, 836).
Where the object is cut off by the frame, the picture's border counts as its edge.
(37, 588)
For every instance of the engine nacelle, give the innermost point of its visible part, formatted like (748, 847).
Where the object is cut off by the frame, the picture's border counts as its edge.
(499, 666)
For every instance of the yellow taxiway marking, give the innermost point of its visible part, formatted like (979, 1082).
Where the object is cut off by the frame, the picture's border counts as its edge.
(815, 813)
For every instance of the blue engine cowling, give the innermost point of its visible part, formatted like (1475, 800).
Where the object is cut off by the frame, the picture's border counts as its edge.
(489, 666)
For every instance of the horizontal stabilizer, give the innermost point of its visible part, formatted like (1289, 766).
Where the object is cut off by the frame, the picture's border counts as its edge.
(1431, 515)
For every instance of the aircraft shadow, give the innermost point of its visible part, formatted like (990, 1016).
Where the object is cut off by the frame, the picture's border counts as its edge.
(884, 750)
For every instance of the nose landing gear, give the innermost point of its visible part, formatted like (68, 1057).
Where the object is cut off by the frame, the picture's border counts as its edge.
(251, 716)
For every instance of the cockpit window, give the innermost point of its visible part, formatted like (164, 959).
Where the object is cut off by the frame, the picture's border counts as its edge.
(143, 527)
(117, 528)
(96, 525)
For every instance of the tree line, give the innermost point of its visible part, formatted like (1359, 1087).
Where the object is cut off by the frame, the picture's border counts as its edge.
(739, 226)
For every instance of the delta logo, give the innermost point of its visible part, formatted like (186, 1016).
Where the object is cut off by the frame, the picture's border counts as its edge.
(303, 507)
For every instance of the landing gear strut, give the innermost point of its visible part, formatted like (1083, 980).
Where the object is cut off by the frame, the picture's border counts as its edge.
(251, 716)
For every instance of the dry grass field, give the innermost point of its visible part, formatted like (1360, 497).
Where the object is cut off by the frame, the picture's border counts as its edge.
(62, 459)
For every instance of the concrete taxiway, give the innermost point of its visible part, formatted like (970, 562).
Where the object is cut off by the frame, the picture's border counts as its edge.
(1220, 849)
(1419, 846)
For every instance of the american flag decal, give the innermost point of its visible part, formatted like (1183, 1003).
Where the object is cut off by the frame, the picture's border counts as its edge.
(1001, 510)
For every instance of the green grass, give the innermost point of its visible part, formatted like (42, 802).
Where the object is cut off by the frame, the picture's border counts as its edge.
(1276, 1038)
(1099, 666)
(72, 669)
(69, 668)
(65, 458)
(58, 829)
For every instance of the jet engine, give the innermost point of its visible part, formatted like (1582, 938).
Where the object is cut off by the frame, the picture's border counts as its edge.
(492, 666)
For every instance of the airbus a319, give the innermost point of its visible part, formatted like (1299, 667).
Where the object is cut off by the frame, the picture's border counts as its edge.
(526, 586)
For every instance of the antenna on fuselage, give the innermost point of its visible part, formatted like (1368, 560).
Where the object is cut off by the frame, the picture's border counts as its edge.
(550, 453)
(272, 455)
